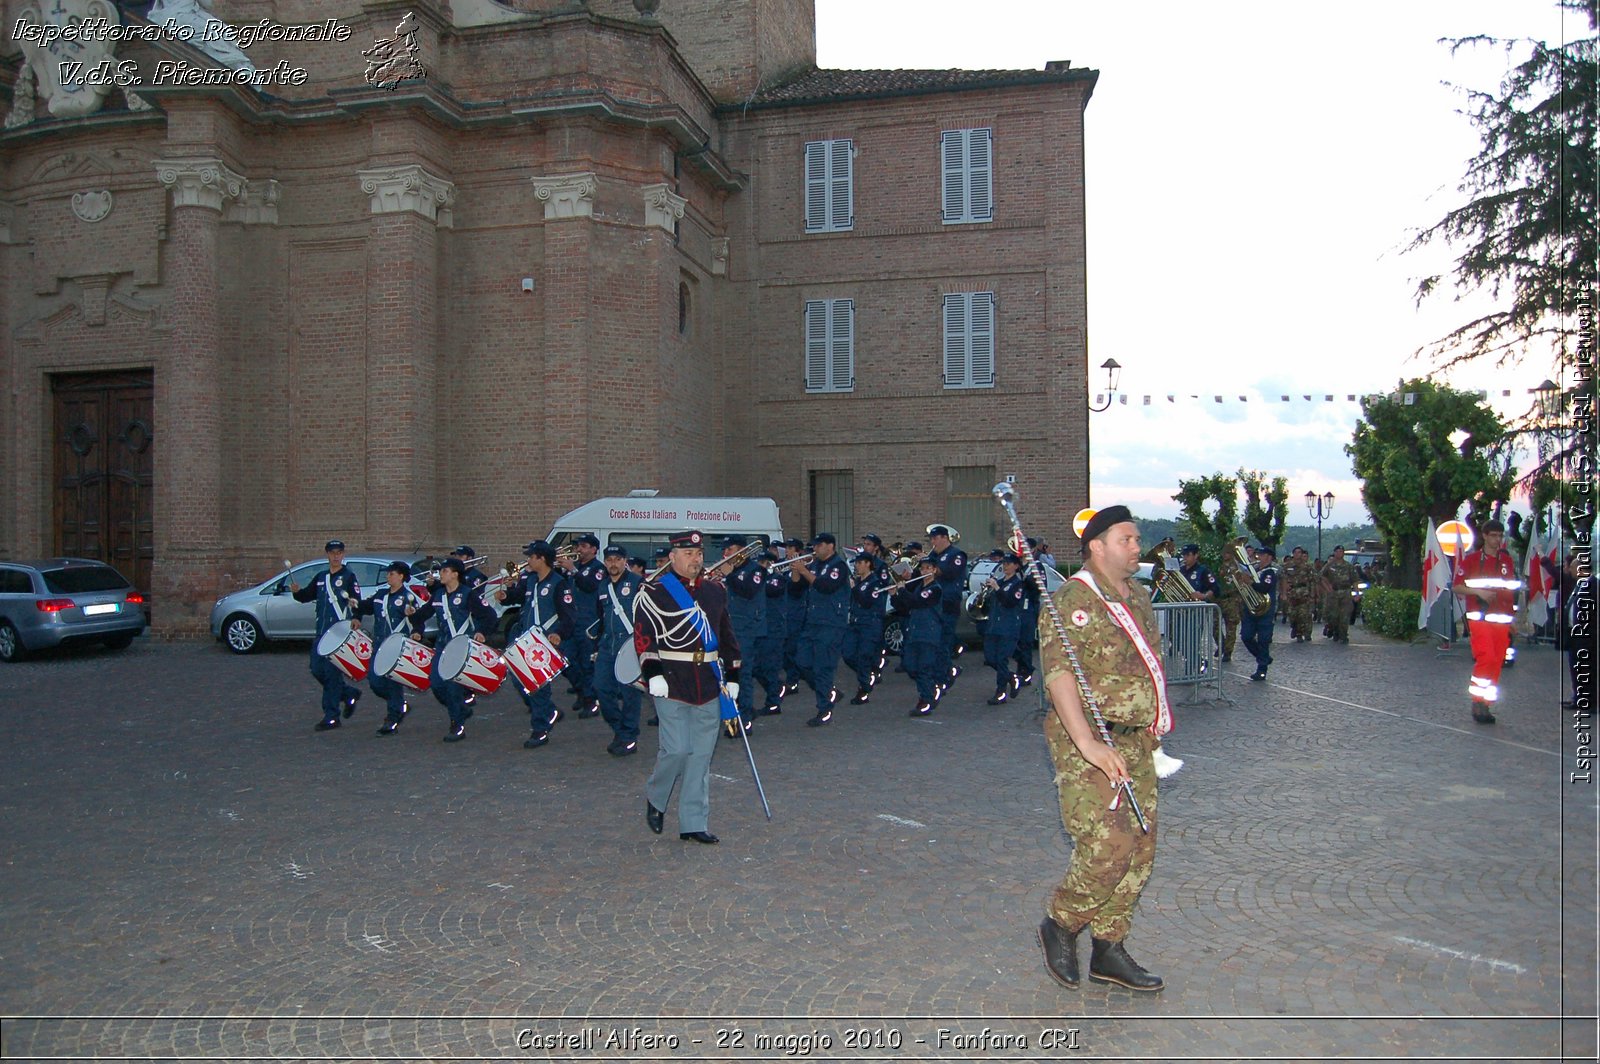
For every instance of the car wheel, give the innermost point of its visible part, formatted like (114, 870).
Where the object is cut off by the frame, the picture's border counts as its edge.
(118, 642)
(10, 643)
(242, 634)
(894, 637)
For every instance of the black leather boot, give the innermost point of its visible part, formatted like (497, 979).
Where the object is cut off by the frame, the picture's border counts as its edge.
(1110, 963)
(1060, 952)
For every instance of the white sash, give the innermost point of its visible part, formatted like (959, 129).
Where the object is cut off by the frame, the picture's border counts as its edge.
(1123, 618)
(627, 622)
(339, 611)
(449, 619)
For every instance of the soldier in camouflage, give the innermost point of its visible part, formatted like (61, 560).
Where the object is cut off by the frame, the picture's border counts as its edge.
(1228, 600)
(1337, 578)
(1299, 585)
(1111, 856)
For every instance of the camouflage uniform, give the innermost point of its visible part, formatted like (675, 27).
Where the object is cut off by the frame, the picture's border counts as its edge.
(1232, 607)
(1341, 576)
(1299, 582)
(1111, 857)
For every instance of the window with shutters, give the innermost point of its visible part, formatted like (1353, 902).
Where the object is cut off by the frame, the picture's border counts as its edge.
(833, 504)
(830, 345)
(830, 199)
(967, 164)
(969, 340)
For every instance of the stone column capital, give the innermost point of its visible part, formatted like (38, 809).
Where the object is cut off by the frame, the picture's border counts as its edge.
(662, 207)
(566, 195)
(397, 189)
(257, 204)
(199, 181)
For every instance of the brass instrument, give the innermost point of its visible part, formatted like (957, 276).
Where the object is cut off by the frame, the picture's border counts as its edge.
(901, 584)
(790, 561)
(433, 574)
(736, 559)
(1172, 584)
(978, 608)
(955, 534)
(1244, 577)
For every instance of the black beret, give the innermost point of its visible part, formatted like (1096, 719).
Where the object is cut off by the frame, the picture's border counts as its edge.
(1102, 520)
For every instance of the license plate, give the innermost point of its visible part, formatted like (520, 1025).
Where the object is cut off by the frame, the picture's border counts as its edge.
(104, 607)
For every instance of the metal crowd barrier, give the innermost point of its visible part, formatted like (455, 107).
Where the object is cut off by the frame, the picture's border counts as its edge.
(1191, 650)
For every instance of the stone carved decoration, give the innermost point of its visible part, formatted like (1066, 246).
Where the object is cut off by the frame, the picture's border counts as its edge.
(199, 182)
(566, 195)
(70, 96)
(662, 207)
(719, 256)
(257, 204)
(92, 206)
(396, 189)
(196, 14)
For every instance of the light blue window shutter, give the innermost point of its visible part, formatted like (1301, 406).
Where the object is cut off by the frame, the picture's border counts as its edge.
(841, 196)
(816, 186)
(980, 344)
(955, 340)
(953, 168)
(842, 364)
(816, 345)
(980, 175)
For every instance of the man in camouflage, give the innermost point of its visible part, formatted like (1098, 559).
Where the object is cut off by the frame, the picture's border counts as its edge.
(1299, 585)
(1337, 578)
(1231, 605)
(1111, 856)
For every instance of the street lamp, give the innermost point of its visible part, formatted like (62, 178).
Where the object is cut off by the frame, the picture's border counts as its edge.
(1113, 374)
(1319, 507)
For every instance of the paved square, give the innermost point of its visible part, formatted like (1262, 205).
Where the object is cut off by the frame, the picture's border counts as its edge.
(1348, 867)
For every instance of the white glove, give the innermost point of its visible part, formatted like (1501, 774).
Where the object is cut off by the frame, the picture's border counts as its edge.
(658, 686)
(733, 689)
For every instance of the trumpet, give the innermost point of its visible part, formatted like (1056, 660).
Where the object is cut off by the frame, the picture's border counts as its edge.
(791, 561)
(1244, 577)
(467, 563)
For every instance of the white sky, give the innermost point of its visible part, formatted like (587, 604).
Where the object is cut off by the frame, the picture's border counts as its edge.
(1253, 170)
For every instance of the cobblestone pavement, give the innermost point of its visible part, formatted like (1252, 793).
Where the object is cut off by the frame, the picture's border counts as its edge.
(1349, 866)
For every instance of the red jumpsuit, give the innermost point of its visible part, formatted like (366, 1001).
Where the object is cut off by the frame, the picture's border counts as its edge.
(1491, 621)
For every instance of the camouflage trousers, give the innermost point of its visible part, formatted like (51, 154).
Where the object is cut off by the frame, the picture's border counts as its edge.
(1231, 610)
(1111, 857)
(1300, 621)
(1336, 614)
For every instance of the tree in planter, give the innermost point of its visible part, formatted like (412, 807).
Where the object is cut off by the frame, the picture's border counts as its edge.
(1412, 470)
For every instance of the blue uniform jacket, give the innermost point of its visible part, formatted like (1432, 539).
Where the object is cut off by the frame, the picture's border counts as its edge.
(1006, 607)
(747, 600)
(952, 577)
(623, 593)
(388, 612)
(865, 603)
(461, 613)
(337, 595)
(546, 604)
(586, 581)
(828, 597)
(921, 607)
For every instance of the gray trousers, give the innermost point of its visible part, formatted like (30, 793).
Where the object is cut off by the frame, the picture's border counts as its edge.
(687, 738)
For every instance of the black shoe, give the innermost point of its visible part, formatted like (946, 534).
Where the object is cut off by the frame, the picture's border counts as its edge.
(1001, 697)
(654, 817)
(833, 695)
(1227, 657)
(1023, 681)
(470, 700)
(820, 719)
(559, 714)
(1110, 963)
(1060, 952)
(1016, 684)
(861, 697)
(957, 650)
(388, 727)
(698, 836)
(1480, 713)
(1258, 675)
(536, 740)
(350, 704)
(456, 733)
(938, 692)
(955, 670)
(622, 749)
(585, 710)
(877, 674)
(326, 725)
(922, 709)
(772, 710)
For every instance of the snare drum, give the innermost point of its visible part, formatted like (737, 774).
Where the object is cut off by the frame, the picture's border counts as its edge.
(348, 647)
(473, 665)
(403, 660)
(533, 660)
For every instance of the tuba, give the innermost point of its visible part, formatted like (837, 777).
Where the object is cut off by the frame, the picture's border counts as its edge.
(955, 533)
(1244, 577)
(1172, 584)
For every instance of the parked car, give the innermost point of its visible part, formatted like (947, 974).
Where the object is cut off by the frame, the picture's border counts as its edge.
(247, 619)
(63, 601)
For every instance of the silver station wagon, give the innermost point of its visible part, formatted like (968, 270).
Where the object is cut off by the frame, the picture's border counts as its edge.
(64, 601)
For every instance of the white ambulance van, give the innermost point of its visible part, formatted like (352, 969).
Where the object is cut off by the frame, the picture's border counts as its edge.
(641, 523)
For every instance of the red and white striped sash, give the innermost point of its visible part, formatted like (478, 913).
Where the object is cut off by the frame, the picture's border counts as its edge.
(1123, 618)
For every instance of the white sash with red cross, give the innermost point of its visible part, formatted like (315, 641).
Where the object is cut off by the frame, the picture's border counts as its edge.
(1123, 618)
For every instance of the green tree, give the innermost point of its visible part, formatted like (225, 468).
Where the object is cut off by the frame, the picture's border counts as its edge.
(1411, 470)
(1526, 234)
(1213, 530)
(1264, 522)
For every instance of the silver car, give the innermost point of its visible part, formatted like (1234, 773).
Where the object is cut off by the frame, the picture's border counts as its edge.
(61, 601)
(246, 619)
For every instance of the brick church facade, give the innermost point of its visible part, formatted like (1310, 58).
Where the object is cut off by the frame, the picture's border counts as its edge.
(593, 249)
